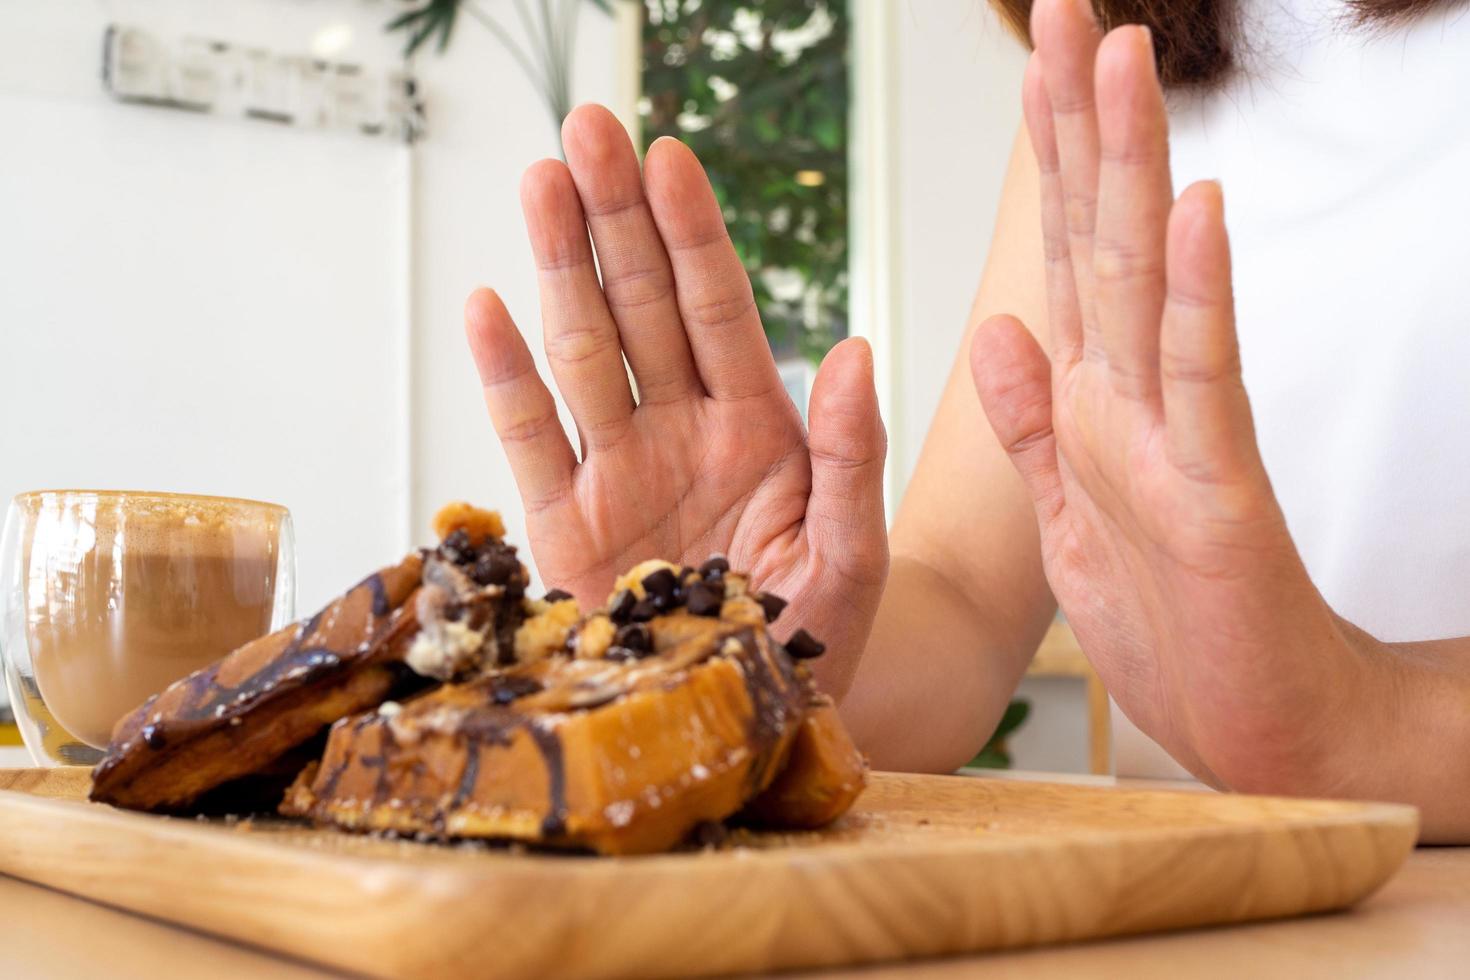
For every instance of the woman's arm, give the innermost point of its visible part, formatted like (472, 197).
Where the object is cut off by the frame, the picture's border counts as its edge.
(966, 602)
(1160, 531)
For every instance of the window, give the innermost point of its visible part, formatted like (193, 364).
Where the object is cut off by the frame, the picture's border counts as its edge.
(759, 89)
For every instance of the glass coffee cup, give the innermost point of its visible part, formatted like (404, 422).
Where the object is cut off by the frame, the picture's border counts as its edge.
(110, 596)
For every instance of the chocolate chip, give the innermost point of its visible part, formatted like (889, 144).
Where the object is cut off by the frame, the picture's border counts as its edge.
(558, 595)
(456, 547)
(153, 736)
(622, 606)
(662, 587)
(496, 567)
(701, 600)
(772, 605)
(803, 646)
(635, 637)
(716, 567)
(643, 611)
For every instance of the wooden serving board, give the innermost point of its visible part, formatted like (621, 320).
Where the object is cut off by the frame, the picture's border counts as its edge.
(925, 865)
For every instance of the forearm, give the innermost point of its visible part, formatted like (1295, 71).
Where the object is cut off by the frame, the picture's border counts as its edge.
(939, 669)
(966, 601)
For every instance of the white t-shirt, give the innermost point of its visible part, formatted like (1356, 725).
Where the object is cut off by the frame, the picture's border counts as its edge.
(1344, 153)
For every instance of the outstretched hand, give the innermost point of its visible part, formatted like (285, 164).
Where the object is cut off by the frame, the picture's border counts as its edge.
(1161, 536)
(710, 454)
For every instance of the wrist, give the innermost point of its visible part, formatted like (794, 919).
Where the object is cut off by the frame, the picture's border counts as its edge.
(1371, 683)
(1324, 730)
(1365, 680)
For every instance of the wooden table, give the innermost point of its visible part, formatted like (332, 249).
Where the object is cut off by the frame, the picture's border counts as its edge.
(1418, 925)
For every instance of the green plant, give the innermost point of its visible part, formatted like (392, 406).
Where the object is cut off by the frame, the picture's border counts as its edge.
(550, 29)
(996, 754)
(759, 90)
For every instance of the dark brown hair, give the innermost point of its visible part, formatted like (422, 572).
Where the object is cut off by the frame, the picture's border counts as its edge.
(1197, 42)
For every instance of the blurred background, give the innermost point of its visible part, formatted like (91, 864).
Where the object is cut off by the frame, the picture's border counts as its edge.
(236, 237)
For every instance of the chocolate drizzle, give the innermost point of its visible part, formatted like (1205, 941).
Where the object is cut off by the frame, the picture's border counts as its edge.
(295, 667)
(775, 703)
(509, 687)
(207, 700)
(467, 779)
(381, 605)
(554, 824)
(379, 762)
(327, 785)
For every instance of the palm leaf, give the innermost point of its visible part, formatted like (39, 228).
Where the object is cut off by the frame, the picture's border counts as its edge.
(996, 754)
(439, 17)
(422, 23)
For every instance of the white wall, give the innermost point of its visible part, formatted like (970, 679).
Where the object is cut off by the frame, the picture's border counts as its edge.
(226, 306)
(958, 106)
(486, 130)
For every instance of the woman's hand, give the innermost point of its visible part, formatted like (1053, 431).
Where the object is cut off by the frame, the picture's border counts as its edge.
(710, 455)
(1161, 536)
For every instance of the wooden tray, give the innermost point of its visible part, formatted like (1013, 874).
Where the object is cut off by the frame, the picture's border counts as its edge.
(925, 865)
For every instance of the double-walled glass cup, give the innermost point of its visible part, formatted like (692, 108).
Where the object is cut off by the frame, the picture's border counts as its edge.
(110, 596)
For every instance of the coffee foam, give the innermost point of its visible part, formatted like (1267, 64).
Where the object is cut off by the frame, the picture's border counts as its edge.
(157, 523)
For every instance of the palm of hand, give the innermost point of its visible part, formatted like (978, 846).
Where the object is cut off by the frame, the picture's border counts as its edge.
(711, 456)
(685, 481)
(1161, 536)
(1165, 578)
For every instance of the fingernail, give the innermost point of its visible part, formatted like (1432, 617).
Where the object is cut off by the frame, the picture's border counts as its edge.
(1211, 188)
(1145, 37)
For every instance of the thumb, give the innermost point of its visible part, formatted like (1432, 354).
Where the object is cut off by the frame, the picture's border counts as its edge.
(1013, 378)
(848, 446)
